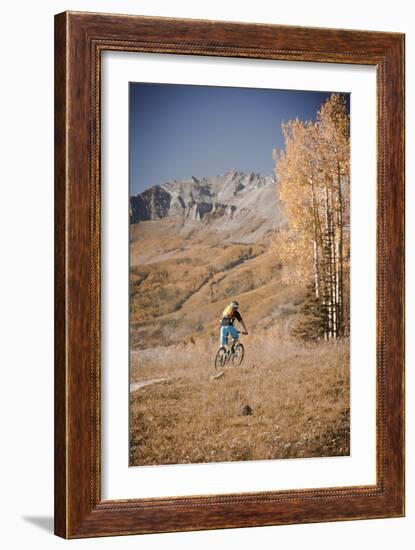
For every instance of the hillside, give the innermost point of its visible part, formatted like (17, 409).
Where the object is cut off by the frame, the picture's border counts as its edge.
(194, 246)
(206, 242)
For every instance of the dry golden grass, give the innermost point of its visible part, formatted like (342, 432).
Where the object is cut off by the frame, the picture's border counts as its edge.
(298, 393)
(299, 396)
(180, 293)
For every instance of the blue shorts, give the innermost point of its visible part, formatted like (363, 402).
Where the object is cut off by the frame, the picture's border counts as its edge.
(224, 331)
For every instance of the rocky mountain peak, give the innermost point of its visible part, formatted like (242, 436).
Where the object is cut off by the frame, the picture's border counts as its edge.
(230, 199)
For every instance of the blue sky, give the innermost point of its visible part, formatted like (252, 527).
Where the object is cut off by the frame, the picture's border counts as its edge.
(178, 131)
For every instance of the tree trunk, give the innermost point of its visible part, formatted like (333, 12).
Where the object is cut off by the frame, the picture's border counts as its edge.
(341, 229)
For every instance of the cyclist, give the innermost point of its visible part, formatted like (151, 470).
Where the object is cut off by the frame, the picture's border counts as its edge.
(230, 313)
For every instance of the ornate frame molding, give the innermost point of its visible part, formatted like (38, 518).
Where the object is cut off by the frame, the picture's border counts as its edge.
(79, 40)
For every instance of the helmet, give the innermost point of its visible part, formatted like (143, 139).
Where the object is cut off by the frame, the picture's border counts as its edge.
(234, 305)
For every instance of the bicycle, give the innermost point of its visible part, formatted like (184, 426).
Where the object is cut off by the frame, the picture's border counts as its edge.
(235, 353)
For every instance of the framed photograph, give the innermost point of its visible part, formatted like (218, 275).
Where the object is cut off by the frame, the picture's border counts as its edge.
(229, 275)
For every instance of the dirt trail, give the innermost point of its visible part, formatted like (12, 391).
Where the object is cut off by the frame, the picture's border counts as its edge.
(193, 300)
(137, 385)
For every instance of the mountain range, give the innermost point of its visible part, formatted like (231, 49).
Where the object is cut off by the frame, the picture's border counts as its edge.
(197, 243)
(243, 204)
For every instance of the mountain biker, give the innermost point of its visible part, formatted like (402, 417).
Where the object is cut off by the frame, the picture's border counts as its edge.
(230, 313)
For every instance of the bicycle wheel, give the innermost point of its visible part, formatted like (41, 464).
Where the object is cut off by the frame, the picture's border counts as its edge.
(221, 357)
(238, 354)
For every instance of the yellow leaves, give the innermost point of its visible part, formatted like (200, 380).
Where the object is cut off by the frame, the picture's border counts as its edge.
(315, 161)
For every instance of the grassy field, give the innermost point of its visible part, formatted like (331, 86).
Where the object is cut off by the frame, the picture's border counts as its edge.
(298, 394)
(179, 286)
(180, 280)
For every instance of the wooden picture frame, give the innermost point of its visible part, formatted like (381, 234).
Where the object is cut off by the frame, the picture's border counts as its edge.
(79, 40)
